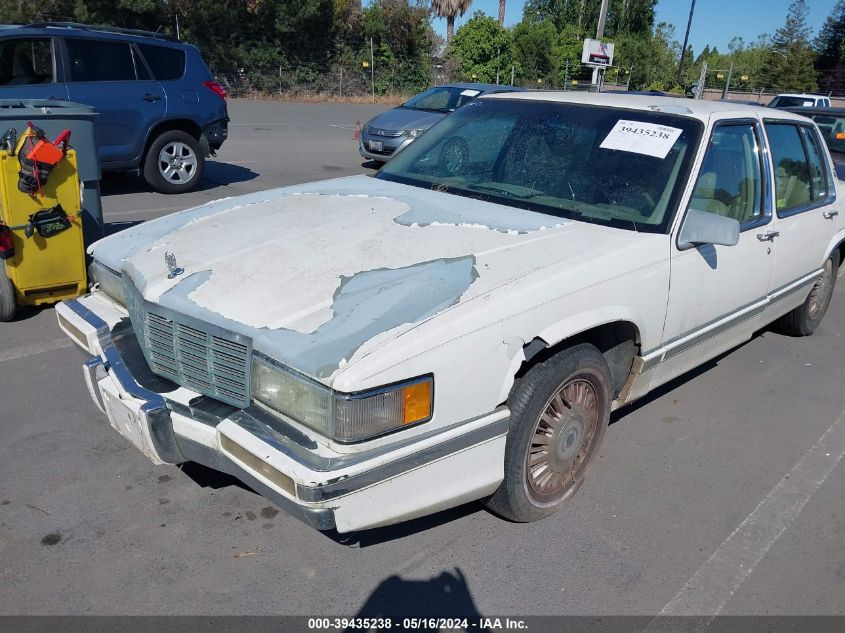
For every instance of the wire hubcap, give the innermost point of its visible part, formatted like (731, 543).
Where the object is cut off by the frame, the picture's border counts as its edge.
(821, 290)
(563, 439)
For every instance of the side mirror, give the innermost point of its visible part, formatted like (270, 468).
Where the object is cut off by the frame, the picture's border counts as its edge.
(700, 227)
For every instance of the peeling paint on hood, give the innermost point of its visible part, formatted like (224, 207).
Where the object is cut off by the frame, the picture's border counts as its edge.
(320, 275)
(424, 211)
(364, 306)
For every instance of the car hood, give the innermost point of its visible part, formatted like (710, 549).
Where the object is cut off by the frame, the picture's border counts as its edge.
(405, 119)
(320, 275)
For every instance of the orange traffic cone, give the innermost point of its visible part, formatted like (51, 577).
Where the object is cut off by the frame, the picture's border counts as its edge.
(357, 134)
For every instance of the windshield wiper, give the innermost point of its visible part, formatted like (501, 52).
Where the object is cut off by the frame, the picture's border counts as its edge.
(438, 110)
(503, 191)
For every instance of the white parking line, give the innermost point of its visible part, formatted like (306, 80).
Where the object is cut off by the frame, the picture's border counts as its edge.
(32, 350)
(712, 585)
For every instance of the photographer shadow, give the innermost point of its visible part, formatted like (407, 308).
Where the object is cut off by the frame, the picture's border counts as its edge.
(445, 596)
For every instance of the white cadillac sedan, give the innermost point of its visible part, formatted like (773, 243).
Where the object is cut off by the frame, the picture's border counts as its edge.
(362, 351)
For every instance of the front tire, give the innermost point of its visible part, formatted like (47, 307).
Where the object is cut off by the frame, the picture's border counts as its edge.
(559, 414)
(803, 320)
(174, 163)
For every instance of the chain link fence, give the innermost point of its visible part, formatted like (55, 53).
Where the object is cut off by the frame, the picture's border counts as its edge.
(393, 83)
(335, 81)
(387, 83)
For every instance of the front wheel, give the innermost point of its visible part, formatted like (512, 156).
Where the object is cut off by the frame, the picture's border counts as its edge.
(803, 320)
(559, 413)
(174, 163)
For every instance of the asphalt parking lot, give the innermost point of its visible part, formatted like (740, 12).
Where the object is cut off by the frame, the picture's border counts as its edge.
(720, 493)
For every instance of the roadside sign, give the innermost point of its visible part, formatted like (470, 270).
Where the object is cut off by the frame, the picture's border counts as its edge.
(597, 53)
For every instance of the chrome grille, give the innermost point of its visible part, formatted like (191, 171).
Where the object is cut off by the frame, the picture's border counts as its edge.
(210, 363)
(386, 133)
(198, 355)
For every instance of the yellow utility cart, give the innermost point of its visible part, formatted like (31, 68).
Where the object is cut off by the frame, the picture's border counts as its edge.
(41, 270)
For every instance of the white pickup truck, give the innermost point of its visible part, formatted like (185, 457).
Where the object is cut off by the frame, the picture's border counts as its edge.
(367, 350)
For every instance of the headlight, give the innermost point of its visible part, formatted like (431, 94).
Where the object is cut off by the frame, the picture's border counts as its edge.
(343, 417)
(413, 133)
(110, 281)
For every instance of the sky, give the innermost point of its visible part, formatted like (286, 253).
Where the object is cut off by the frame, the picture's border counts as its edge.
(714, 23)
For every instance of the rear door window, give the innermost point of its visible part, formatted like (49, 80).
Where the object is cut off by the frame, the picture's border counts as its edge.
(26, 62)
(792, 171)
(166, 63)
(100, 60)
(818, 173)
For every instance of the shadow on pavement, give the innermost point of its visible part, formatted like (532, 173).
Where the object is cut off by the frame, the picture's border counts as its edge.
(209, 478)
(673, 384)
(445, 596)
(216, 174)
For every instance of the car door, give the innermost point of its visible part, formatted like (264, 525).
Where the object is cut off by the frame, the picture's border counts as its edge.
(108, 75)
(30, 68)
(717, 293)
(806, 214)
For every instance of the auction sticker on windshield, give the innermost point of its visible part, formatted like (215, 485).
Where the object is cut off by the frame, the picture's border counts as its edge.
(639, 137)
(470, 93)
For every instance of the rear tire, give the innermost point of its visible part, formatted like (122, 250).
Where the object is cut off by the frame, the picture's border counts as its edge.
(174, 163)
(804, 319)
(559, 413)
(7, 298)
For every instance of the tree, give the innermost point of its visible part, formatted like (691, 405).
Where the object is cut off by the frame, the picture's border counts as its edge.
(749, 60)
(502, 12)
(789, 64)
(450, 9)
(535, 50)
(482, 48)
(653, 57)
(831, 38)
(623, 16)
(830, 49)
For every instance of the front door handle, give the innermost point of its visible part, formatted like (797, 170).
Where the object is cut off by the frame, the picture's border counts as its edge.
(149, 98)
(829, 215)
(768, 237)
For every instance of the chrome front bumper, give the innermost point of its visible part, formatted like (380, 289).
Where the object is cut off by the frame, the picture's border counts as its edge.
(392, 146)
(324, 489)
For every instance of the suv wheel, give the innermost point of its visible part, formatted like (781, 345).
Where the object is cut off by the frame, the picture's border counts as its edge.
(559, 414)
(174, 163)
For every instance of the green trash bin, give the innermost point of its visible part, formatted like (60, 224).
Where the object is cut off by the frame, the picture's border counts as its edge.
(53, 116)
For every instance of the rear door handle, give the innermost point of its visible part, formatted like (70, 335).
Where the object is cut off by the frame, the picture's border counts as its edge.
(768, 237)
(149, 98)
(829, 215)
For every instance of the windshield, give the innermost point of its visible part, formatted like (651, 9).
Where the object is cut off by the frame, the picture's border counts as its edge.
(832, 127)
(442, 99)
(792, 102)
(607, 165)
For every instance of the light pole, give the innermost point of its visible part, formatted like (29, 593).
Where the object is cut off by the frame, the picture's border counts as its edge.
(686, 39)
(599, 72)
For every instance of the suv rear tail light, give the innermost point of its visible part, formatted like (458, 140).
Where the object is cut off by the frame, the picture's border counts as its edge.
(7, 247)
(216, 88)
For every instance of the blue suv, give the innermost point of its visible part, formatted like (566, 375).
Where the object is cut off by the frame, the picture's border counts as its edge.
(160, 111)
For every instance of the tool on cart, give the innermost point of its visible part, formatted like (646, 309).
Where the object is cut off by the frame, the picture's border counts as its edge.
(38, 156)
